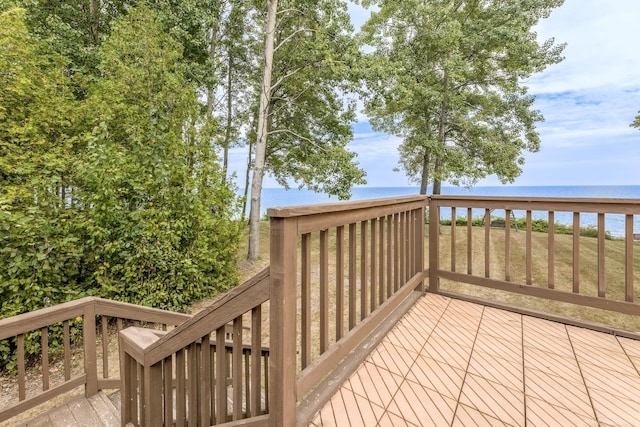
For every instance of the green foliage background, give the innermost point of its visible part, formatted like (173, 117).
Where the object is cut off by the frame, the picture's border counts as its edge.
(113, 190)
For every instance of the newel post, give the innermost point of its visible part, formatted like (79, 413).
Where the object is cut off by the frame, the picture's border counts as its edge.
(434, 245)
(283, 296)
(90, 355)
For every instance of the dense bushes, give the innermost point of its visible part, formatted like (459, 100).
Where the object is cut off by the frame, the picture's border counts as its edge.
(118, 193)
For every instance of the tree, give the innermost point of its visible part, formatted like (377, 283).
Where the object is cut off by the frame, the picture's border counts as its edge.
(636, 122)
(159, 219)
(447, 78)
(39, 253)
(310, 60)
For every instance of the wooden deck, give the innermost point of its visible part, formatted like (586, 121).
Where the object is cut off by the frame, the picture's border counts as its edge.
(455, 363)
(449, 362)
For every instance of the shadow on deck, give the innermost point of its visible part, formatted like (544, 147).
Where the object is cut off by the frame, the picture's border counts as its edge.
(455, 363)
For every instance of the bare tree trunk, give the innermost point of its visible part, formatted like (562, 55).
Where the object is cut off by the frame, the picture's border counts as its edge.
(94, 9)
(425, 172)
(437, 183)
(227, 136)
(212, 55)
(261, 143)
(246, 182)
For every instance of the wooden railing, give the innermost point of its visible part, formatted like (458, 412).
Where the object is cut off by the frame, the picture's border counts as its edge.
(85, 340)
(591, 287)
(287, 329)
(370, 259)
(183, 378)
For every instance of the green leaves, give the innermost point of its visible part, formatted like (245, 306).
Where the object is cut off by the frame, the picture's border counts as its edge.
(152, 191)
(448, 80)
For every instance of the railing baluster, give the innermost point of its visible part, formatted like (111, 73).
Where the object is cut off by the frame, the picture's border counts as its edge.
(601, 258)
(628, 263)
(256, 357)
(192, 369)
(418, 241)
(221, 376)
(21, 368)
(551, 262)
(324, 290)
(237, 368)
(181, 389)
(389, 255)
(352, 276)
(487, 243)
(507, 245)
(374, 265)
(396, 252)
(167, 388)
(306, 300)
(434, 246)
(402, 255)
(454, 218)
(363, 270)
(105, 346)
(528, 249)
(212, 381)
(381, 259)
(339, 282)
(247, 384)
(44, 351)
(406, 260)
(66, 338)
(469, 242)
(576, 252)
(204, 375)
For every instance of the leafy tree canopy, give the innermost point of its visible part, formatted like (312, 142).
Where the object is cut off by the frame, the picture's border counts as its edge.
(446, 76)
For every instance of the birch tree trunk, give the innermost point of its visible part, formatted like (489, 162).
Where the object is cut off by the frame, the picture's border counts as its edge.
(437, 181)
(261, 140)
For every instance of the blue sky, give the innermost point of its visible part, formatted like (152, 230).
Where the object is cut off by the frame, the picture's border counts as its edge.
(588, 102)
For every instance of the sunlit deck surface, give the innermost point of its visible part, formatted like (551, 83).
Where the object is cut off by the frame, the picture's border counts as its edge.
(450, 362)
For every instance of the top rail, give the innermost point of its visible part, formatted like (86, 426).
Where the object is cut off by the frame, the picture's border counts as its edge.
(590, 205)
(323, 208)
(234, 303)
(48, 316)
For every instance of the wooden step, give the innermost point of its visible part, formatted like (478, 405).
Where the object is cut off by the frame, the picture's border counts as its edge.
(95, 411)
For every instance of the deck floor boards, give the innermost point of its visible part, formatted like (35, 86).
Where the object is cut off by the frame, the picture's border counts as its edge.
(455, 363)
(96, 411)
(470, 365)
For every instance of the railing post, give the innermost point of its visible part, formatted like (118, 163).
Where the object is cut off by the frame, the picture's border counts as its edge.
(282, 360)
(90, 356)
(434, 245)
(152, 396)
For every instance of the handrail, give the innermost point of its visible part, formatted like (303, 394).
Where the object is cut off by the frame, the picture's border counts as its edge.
(384, 235)
(559, 204)
(234, 303)
(192, 359)
(26, 322)
(87, 309)
(371, 254)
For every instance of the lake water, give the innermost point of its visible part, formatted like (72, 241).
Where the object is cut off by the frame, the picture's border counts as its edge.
(272, 197)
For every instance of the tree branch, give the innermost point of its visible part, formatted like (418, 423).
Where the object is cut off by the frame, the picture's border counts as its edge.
(290, 36)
